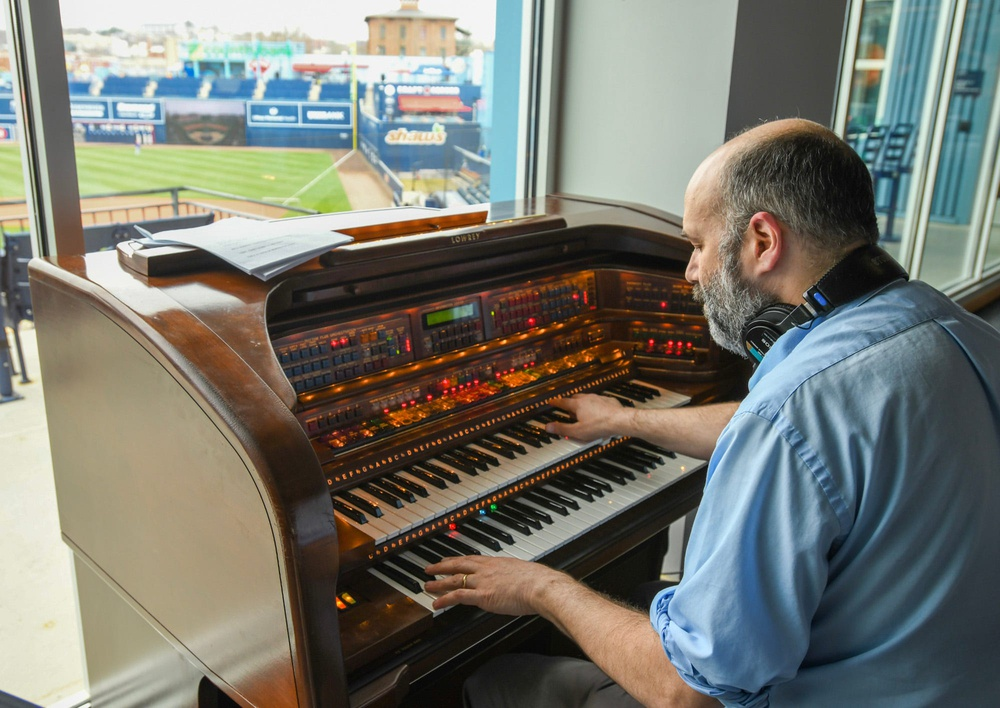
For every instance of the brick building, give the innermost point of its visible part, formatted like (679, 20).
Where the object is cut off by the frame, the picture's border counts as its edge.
(409, 31)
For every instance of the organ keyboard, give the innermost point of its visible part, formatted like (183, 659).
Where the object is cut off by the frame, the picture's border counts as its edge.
(253, 475)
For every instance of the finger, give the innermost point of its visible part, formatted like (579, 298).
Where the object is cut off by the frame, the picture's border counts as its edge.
(450, 583)
(560, 429)
(448, 565)
(457, 597)
(566, 404)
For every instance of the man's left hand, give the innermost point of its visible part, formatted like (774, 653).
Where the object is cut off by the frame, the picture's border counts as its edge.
(504, 586)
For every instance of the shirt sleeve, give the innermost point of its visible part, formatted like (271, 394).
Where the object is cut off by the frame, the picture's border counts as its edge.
(755, 568)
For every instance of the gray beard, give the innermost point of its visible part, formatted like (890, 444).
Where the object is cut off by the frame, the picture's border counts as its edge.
(730, 301)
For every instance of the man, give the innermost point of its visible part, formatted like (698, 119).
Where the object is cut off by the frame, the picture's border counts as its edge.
(846, 548)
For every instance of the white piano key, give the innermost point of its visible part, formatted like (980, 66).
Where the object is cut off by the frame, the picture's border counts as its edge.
(424, 599)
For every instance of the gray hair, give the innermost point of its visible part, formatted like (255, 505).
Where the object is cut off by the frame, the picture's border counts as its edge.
(810, 180)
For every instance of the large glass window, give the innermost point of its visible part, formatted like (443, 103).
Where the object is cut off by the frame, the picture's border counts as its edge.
(235, 113)
(896, 73)
(186, 111)
(922, 110)
(962, 185)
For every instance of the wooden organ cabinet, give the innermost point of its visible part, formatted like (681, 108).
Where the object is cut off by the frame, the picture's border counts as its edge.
(251, 474)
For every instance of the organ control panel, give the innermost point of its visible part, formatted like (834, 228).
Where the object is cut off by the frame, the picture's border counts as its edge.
(320, 438)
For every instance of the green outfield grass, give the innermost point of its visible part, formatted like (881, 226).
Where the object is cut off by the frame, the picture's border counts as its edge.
(305, 176)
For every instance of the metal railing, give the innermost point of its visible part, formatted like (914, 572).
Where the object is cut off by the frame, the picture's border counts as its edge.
(176, 201)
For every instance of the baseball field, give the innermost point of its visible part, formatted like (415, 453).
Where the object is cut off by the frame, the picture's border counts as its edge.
(303, 178)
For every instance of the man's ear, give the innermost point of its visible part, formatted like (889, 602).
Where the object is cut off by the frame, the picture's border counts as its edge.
(764, 244)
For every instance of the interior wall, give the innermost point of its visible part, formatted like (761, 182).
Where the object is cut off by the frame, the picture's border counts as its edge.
(643, 97)
(786, 61)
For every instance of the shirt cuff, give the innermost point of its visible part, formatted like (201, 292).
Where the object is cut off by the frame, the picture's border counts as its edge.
(659, 615)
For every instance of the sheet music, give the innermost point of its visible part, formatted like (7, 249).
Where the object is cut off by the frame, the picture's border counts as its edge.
(261, 248)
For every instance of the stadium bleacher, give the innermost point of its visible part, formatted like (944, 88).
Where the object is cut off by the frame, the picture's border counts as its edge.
(178, 87)
(79, 88)
(232, 87)
(288, 89)
(334, 92)
(125, 86)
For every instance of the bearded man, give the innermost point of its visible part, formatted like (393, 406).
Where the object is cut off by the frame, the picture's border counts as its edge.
(845, 550)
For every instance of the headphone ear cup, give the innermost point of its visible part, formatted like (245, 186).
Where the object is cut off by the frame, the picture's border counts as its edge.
(760, 333)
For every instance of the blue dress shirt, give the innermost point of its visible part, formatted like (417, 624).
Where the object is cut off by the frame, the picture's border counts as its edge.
(847, 548)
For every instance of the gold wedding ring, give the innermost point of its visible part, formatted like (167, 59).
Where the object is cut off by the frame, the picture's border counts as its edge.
(464, 578)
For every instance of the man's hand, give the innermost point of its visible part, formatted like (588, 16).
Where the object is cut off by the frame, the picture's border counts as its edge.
(617, 638)
(597, 417)
(503, 586)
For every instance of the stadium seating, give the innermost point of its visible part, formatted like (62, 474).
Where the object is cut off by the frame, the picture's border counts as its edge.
(334, 92)
(233, 87)
(125, 86)
(79, 88)
(178, 87)
(287, 89)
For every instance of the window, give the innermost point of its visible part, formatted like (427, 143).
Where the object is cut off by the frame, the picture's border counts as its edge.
(920, 105)
(146, 93)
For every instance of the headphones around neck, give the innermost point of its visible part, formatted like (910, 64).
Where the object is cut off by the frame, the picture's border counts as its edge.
(860, 272)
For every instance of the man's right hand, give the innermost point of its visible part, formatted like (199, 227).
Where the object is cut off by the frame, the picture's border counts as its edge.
(597, 417)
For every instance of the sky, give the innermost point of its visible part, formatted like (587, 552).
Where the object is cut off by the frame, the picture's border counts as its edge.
(339, 20)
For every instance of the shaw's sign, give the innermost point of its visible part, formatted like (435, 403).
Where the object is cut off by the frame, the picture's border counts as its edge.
(402, 136)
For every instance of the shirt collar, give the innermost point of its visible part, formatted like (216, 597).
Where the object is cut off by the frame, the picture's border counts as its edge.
(791, 339)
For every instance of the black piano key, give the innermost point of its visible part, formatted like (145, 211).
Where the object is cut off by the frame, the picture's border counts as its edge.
(349, 511)
(400, 577)
(383, 495)
(640, 454)
(435, 545)
(539, 433)
(439, 471)
(557, 497)
(520, 517)
(431, 479)
(496, 448)
(361, 503)
(458, 463)
(575, 489)
(529, 511)
(457, 547)
(467, 456)
(418, 489)
(569, 482)
(514, 447)
(396, 490)
(653, 448)
(426, 553)
(408, 566)
(643, 454)
(557, 415)
(498, 534)
(611, 468)
(649, 390)
(627, 461)
(522, 436)
(479, 537)
(510, 522)
(547, 503)
(583, 483)
(616, 476)
(621, 399)
(482, 456)
(599, 483)
(636, 393)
